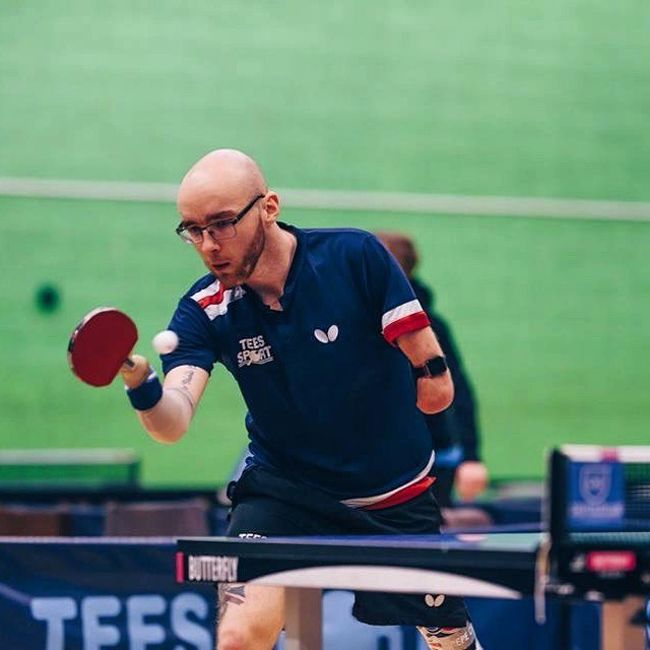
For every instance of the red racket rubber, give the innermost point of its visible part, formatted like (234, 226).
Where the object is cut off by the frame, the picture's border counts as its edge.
(100, 345)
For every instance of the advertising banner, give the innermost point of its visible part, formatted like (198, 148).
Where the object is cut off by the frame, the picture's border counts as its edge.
(86, 595)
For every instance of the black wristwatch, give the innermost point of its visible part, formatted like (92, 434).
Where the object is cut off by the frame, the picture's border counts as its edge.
(432, 368)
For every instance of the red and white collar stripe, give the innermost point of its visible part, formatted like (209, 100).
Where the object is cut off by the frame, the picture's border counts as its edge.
(214, 299)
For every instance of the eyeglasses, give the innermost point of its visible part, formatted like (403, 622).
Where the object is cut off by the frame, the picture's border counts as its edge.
(219, 229)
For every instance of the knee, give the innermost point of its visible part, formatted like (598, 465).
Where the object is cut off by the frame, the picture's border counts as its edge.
(232, 639)
(239, 638)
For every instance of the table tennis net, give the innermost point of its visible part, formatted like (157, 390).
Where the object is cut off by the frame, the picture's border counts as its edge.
(599, 491)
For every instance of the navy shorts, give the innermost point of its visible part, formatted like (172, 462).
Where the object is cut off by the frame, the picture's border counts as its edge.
(270, 505)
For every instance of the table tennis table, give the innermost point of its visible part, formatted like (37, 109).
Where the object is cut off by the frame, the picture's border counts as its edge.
(492, 565)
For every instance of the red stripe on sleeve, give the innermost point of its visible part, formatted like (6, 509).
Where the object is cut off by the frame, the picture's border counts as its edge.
(214, 299)
(417, 321)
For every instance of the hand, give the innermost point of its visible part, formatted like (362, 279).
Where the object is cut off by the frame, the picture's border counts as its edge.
(135, 376)
(471, 479)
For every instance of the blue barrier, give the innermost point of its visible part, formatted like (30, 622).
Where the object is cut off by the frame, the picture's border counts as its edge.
(93, 594)
(89, 595)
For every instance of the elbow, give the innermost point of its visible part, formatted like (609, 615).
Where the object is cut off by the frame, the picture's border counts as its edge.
(435, 394)
(167, 437)
(166, 433)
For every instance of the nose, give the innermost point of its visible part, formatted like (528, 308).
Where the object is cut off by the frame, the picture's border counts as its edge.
(208, 243)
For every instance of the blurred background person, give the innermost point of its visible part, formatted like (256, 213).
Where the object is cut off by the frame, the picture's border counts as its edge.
(455, 431)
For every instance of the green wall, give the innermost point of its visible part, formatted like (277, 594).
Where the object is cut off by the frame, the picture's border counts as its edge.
(547, 313)
(500, 98)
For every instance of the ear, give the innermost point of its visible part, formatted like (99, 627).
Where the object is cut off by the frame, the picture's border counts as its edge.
(271, 207)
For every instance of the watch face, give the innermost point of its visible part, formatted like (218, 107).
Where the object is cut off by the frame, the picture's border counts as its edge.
(432, 368)
(436, 366)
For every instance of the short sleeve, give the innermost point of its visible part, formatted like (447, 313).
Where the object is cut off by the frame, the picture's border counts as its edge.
(390, 292)
(196, 342)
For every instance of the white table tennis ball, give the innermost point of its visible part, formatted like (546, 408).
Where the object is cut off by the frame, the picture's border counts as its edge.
(165, 342)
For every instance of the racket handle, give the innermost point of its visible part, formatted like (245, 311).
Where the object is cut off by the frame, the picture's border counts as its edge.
(135, 370)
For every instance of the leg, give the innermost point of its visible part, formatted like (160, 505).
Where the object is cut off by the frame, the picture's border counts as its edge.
(250, 618)
(617, 633)
(442, 620)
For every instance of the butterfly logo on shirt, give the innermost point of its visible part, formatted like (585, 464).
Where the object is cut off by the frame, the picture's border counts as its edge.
(327, 337)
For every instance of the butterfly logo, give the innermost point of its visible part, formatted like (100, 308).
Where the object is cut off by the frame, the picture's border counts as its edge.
(329, 337)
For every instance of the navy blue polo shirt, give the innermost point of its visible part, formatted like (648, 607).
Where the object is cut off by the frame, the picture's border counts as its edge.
(330, 400)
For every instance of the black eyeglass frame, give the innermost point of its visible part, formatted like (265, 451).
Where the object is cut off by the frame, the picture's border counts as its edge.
(183, 228)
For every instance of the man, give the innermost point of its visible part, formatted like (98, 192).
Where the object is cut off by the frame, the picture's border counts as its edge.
(454, 431)
(322, 332)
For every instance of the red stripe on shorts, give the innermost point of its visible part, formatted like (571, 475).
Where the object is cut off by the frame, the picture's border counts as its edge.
(405, 494)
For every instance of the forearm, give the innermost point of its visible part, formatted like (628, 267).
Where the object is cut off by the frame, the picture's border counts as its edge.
(434, 394)
(170, 418)
(164, 412)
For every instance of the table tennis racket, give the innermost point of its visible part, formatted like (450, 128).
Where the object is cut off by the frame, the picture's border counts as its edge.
(101, 344)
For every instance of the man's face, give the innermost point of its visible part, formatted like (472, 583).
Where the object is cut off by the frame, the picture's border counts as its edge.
(230, 258)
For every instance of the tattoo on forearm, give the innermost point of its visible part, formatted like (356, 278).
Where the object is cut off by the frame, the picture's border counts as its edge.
(230, 594)
(187, 380)
(184, 390)
(186, 394)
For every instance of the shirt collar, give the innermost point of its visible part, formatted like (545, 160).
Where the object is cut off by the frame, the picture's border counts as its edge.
(294, 272)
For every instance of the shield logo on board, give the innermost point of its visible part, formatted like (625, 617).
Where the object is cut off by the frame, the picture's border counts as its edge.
(595, 483)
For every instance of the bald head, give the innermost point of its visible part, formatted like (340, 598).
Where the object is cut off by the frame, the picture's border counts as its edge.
(222, 177)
